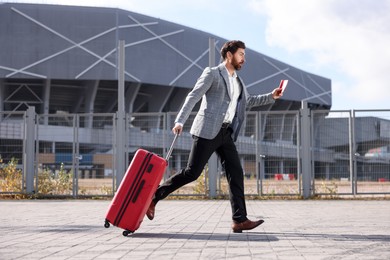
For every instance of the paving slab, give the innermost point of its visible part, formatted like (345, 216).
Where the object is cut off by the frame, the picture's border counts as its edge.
(197, 229)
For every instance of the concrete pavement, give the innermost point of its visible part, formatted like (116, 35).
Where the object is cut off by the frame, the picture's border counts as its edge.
(191, 229)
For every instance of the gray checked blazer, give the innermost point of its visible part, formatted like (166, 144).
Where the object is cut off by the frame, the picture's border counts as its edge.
(212, 88)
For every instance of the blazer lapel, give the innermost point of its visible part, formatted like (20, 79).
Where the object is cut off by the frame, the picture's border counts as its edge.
(225, 76)
(241, 85)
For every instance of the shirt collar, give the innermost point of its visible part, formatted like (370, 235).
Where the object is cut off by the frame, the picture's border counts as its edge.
(234, 73)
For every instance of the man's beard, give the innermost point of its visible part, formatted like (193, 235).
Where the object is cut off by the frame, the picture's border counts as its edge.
(236, 65)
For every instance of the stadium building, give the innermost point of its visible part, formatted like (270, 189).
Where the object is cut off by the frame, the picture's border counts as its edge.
(64, 58)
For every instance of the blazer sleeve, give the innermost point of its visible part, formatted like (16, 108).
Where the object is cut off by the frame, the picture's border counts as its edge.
(258, 100)
(203, 84)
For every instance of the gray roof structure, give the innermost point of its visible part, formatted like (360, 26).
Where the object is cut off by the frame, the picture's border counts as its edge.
(64, 58)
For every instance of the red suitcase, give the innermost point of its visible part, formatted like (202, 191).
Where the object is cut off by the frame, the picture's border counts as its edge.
(134, 195)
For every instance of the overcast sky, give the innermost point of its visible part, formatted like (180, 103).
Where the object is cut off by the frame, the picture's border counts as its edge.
(347, 41)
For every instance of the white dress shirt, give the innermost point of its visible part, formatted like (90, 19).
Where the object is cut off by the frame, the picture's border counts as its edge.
(234, 93)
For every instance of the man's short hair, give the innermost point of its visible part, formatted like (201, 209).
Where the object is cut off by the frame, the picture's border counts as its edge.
(231, 46)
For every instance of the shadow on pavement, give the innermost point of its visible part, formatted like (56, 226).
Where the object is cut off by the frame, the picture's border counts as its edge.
(261, 237)
(265, 237)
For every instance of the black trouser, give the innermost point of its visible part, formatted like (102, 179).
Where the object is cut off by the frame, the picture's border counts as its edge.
(200, 153)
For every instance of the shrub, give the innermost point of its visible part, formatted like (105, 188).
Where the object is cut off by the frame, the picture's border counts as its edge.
(50, 183)
(10, 177)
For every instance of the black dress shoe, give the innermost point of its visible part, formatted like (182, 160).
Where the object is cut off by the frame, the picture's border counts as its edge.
(246, 225)
(150, 211)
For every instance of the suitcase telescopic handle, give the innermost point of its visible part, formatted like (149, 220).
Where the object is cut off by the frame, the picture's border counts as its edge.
(171, 148)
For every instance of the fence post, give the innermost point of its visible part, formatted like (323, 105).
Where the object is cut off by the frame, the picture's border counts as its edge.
(76, 156)
(306, 151)
(120, 157)
(28, 162)
(213, 161)
(352, 153)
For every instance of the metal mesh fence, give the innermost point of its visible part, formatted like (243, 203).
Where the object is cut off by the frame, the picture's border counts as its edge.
(75, 153)
(56, 152)
(96, 154)
(279, 153)
(372, 151)
(331, 153)
(350, 152)
(12, 137)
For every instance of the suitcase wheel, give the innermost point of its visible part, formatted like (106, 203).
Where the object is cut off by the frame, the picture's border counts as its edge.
(106, 224)
(127, 232)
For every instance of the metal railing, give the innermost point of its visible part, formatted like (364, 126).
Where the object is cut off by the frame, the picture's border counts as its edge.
(340, 153)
